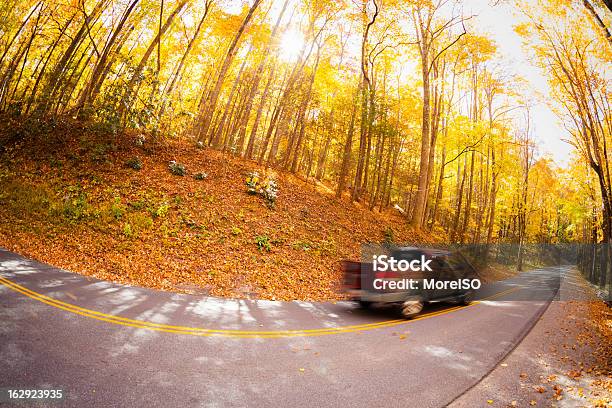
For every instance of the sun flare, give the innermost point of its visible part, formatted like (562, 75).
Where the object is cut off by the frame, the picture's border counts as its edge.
(291, 44)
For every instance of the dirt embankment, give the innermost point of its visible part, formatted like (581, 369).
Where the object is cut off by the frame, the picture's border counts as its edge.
(73, 199)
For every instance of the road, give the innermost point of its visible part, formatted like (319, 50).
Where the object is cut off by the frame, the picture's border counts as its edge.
(111, 345)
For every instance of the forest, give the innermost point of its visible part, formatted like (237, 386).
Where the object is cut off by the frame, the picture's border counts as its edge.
(398, 108)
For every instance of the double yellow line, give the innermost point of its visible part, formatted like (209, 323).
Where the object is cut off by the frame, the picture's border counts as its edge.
(196, 331)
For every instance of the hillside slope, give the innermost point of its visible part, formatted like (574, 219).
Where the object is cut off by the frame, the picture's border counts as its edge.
(72, 201)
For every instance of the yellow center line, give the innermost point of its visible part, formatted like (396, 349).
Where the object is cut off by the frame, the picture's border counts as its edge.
(196, 331)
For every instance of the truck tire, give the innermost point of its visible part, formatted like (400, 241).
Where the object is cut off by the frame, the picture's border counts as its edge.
(467, 298)
(412, 307)
(364, 304)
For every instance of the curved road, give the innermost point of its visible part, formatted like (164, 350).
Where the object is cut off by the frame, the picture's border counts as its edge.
(111, 345)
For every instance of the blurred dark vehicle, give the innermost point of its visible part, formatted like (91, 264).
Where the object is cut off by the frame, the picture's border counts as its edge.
(446, 266)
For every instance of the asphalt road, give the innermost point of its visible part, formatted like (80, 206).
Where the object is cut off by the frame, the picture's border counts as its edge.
(111, 345)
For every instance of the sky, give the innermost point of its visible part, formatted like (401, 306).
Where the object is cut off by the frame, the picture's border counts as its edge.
(499, 21)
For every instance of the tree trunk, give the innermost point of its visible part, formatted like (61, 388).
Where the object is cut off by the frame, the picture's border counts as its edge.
(99, 73)
(211, 103)
(127, 97)
(257, 78)
(264, 97)
(421, 194)
(348, 146)
(177, 74)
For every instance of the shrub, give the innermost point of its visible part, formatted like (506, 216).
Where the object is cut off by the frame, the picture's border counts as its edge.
(134, 163)
(200, 176)
(267, 188)
(139, 204)
(141, 221)
(127, 230)
(252, 182)
(389, 235)
(263, 242)
(303, 245)
(236, 231)
(23, 198)
(270, 193)
(100, 152)
(75, 206)
(177, 169)
(162, 211)
(55, 163)
(117, 209)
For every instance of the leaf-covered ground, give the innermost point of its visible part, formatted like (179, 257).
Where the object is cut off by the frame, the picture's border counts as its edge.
(580, 356)
(564, 361)
(70, 199)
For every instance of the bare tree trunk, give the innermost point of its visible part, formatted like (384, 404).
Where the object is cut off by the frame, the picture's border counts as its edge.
(393, 169)
(44, 67)
(264, 97)
(421, 194)
(211, 103)
(598, 20)
(99, 71)
(216, 134)
(177, 74)
(357, 183)
(468, 203)
(455, 226)
(348, 146)
(302, 118)
(320, 172)
(439, 189)
(22, 53)
(257, 78)
(59, 70)
(365, 107)
(129, 88)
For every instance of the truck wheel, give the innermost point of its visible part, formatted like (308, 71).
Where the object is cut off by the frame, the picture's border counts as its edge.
(467, 298)
(412, 307)
(364, 304)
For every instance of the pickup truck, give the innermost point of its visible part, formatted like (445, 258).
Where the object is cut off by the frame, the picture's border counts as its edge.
(447, 271)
